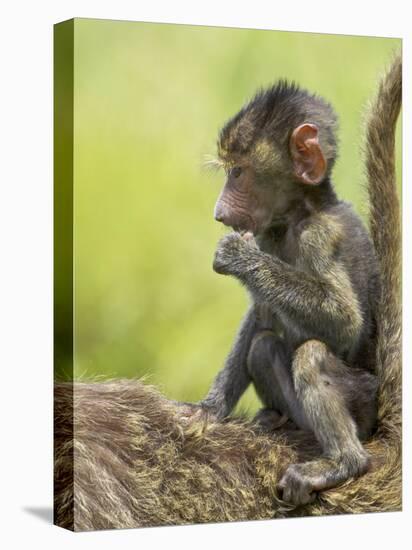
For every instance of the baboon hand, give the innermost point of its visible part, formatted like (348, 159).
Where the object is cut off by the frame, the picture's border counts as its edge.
(195, 411)
(232, 253)
(298, 484)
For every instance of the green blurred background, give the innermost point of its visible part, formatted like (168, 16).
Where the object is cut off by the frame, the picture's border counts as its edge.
(148, 102)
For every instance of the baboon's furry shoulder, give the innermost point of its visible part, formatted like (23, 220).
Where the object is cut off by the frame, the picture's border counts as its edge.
(134, 461)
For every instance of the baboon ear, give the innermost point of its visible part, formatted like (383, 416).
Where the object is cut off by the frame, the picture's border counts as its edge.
(309, 164)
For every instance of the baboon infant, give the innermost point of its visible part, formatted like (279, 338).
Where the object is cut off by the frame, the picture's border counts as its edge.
(308, 340)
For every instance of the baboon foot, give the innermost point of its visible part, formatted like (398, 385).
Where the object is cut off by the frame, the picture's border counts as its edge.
(299, 484)
(269, 419)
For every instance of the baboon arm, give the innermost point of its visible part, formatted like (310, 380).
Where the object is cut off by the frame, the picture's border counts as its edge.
(318, 305)
(233, 379)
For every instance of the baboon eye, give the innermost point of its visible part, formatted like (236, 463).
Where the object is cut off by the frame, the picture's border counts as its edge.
(236, 171)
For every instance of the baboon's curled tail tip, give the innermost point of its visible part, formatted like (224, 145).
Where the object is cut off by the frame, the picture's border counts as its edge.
(385, 226)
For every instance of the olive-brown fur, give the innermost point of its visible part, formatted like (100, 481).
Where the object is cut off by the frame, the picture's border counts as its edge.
(137, 463)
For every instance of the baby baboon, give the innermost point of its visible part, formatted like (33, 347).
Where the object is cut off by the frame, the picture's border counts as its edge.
(310, 340)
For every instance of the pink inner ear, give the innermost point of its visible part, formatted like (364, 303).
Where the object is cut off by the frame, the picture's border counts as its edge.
(302, 134)
(308, 160)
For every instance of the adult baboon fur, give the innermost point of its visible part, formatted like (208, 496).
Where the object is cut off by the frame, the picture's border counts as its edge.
(125, 456)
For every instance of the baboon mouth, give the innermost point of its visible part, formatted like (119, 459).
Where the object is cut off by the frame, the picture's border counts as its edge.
(242, 230)
(248, 224)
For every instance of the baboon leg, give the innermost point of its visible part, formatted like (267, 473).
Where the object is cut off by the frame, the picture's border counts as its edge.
(358, 389)
(269, 366)
(321, 395)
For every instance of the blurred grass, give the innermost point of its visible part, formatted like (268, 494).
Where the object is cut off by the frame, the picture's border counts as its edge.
(149, 100)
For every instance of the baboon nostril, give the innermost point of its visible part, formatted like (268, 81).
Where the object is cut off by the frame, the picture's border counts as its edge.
(219, 213)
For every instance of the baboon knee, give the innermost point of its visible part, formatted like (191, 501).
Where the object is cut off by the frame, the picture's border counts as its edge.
(307, 362)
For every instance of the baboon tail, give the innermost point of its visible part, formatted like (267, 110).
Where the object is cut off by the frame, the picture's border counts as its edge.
(385, 227)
